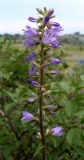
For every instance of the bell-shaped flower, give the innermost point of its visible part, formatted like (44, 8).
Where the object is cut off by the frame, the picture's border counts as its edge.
(55, 61)
(31, 56)
(26, 116)
(34, 83)
(32, 36)
(50, 37)
(57, 131)
(33, 70)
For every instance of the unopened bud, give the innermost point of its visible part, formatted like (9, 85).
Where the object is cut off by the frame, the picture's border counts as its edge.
(40, 11)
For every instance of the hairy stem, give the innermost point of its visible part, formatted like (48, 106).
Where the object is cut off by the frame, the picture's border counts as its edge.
(41, 104)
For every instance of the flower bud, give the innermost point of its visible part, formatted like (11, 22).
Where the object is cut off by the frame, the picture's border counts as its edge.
(55, 61)
(57, 131)
(32, 19)
(26, 116)
(40, 11)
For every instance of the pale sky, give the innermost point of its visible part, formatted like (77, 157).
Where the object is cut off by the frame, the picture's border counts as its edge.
(14, 14)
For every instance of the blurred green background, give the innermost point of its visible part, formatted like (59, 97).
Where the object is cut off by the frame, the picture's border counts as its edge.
(18, 140)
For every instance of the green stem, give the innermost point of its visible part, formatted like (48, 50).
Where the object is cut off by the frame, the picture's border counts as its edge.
(41, 104)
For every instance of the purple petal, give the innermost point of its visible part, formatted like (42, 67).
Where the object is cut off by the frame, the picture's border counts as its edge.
(50, 12)
(50, 37)
(57, 131)
(55, 24)
(29, 43)
(31, 99)
(35, 84)
(26, 116)
(81, 61)
(54, 42)
(55, 61)
(46, 19)
(33, 70)
(30, 32)
(32, 19)
(31, 56)
(31, 36)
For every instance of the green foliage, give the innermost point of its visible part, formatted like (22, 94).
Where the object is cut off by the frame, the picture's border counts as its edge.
(18, 140)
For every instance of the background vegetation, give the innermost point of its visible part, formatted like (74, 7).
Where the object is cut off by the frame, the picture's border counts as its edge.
(17, 140)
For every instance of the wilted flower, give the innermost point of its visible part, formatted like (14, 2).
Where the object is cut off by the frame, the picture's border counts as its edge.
(32, 19)
(50, 107)
(31, 35)
(54, 72)
(26, 116)
(46, 63)
(31, 99)
(57, 131)
(33, 70)
(31, 56)
(55, 61)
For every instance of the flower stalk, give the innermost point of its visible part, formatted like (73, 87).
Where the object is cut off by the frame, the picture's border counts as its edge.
(42, 132)
(45, 36)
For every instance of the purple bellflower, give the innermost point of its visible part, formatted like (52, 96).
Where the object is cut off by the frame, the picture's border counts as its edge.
(55, 61)
(48, 16)
(30, 32)
(26, 116)
(33, 70)
(31, 56)
(34, 83)
(31, 35)
(32, 19)
(46, 19)
(57, 131)
(55, 24)
(50, 37)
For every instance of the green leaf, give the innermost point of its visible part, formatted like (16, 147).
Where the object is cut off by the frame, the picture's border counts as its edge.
(65, 86)
(82, 77)
(54, 141)
(6, 152)
(80, 114)
(74, 136)
(38, 150)
(80, 151)
(67, 106)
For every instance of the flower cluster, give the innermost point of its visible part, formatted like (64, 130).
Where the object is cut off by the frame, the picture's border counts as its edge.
(50, 34)
(46, 35)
